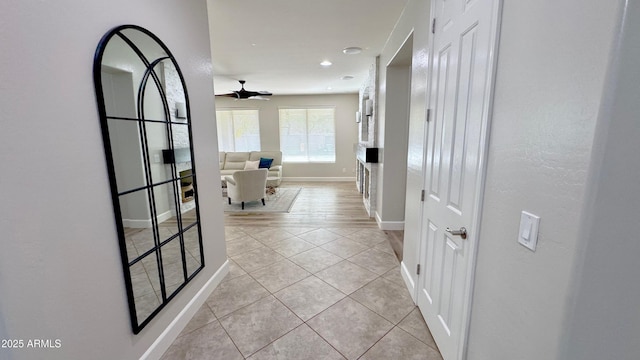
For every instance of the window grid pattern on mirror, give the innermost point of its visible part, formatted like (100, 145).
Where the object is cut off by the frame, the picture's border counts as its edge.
(308, 135)
(147, 140)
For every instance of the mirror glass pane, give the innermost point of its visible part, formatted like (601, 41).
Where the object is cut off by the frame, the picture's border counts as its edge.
(120, 93)
(165, 207)
(121, 59)
(132, 251)
(136, 220)
(189, 214)
(172, 265)
(154, 100)
(146, 286)
(128, 163)
(147, 140)
(174, 92)
(157, 142)
(148, 46)
(141, 240)
(180, 135)
(192, 245)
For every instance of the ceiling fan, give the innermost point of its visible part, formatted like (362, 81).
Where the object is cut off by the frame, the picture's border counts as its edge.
(243, 94)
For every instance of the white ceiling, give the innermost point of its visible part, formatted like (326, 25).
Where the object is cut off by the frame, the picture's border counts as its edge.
(277, 45)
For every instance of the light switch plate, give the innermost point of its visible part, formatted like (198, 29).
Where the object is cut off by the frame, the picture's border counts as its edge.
(528, 233)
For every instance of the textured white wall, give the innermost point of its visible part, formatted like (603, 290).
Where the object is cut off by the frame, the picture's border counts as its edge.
(346, 130)
(60, 271)
(552, 60)
(604, 321)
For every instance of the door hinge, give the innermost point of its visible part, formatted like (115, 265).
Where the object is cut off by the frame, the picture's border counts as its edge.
(428, 115)
(418, 269)
(422, 195)
(433, 26)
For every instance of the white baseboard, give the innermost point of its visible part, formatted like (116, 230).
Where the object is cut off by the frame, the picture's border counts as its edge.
(408, 281)
(172, 331)
(165, 216)
(389, 225)
(143, 224)
(331, 179)
(136, 224)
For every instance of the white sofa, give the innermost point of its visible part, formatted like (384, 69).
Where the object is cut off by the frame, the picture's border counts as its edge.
(231, 162)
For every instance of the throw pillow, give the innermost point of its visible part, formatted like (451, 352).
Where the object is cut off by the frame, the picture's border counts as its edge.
(251, 165)
(265, 163)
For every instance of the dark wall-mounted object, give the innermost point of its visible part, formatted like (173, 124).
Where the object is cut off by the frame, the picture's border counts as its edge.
(176, 155)
(368, 154)
(157, 219)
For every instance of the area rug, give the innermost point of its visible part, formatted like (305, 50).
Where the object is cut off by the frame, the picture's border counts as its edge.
(281, 202)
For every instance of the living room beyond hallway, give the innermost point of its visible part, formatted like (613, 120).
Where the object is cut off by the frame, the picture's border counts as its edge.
(320, 204)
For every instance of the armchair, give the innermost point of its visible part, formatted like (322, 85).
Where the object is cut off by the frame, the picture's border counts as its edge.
(247, 185)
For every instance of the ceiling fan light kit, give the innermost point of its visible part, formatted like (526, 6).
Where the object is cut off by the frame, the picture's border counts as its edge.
(243, 94)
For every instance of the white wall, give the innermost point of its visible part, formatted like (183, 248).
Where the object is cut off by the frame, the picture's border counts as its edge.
(604, 321)
(552, 60)
(346, 131)
(60, 271)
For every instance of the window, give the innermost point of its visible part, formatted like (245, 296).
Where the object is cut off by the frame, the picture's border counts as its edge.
(308, 134)
(238, 130)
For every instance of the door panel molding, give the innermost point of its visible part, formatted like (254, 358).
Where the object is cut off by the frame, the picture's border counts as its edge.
(463, 52)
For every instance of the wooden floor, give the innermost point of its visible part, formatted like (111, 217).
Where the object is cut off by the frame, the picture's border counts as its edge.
(320, 204)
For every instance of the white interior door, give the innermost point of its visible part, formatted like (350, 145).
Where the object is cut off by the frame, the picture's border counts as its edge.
(460, 99)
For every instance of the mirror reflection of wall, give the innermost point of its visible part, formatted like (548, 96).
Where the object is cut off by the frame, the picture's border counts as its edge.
(139, 87)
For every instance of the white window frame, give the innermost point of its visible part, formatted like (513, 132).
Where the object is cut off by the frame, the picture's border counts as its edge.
(308, 160)
(233, 130)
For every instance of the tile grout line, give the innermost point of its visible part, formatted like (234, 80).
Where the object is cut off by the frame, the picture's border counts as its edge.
(314, 275)
(377, 276)
(413, 336)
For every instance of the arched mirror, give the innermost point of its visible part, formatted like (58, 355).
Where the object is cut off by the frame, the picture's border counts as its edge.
(146, 128)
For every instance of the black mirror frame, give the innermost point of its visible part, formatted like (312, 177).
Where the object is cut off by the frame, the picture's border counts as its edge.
(126, 263)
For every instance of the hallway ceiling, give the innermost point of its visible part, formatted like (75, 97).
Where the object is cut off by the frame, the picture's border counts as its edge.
(277, 45)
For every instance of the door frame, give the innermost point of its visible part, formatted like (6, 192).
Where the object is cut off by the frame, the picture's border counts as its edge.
(487, 113)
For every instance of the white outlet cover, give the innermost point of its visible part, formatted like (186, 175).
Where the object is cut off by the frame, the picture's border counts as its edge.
(528, 233)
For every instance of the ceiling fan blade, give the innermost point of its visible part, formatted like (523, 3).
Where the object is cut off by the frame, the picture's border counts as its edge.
(258, 97)
(244, 94)
(249, 93)
(231, 95)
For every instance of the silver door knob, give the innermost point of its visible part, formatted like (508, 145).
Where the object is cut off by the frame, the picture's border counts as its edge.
(462, 232)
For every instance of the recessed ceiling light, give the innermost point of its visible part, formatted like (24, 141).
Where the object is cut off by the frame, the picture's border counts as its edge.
(329, 88)
(326, 63)
(352, 50)
(347, 77)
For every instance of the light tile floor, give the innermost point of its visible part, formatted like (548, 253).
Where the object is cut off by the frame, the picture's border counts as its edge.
(306, 293)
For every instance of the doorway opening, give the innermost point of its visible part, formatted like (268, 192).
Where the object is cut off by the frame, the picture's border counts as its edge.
(396, 139)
